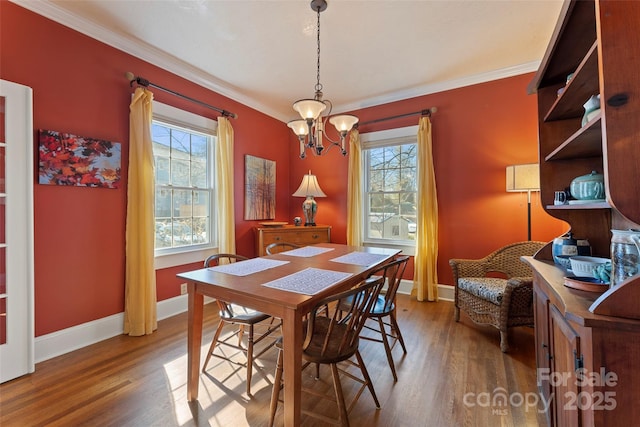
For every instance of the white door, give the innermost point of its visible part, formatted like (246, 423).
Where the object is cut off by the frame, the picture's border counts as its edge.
(16, 231)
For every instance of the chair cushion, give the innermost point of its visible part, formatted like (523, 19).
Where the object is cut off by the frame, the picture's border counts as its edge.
(487, 288)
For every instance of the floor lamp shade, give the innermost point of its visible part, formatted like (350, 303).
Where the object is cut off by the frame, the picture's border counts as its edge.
(521, 179)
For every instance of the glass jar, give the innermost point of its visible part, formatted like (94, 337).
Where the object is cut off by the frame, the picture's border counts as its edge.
(625, 255)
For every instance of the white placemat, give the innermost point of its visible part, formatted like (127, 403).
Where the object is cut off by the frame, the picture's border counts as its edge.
(307, 251)
(250, 266)
(309, 281)
(360, 258)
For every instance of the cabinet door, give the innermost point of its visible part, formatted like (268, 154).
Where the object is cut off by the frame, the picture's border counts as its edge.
(543, 350)
(565, 344)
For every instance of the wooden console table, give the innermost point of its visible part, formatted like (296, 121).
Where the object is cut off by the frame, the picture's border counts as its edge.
(298, 235)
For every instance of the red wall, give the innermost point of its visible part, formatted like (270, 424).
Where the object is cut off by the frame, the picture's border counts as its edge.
(79, 87)
(477, 131)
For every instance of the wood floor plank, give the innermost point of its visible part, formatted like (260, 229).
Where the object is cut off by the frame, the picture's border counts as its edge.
(451, 376)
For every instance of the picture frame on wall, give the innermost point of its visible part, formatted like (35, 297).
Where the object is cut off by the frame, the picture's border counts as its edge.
(67, 159)
(260, 188)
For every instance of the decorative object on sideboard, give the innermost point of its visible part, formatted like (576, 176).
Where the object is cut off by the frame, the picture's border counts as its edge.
(560, 198)
(585, 265)
(625, 255)
(566, 246)
(297, 221)
(310, 129)
(591, 108)
(309, 188)
(588, 187)
(525, 179)
(561, 90)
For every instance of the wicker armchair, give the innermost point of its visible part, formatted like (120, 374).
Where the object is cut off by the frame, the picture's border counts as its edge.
(500, 302)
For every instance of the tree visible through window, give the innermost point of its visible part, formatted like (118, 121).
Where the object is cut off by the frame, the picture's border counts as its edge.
(183, 186)
(390, 188)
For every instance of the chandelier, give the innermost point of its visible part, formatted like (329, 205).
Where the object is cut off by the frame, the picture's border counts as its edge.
(310, 129)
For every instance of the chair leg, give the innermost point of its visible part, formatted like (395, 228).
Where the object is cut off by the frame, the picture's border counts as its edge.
(504, 342)
(212, 347)
(365, 374)
(456, 314)
(249, 359)
(337, 386)
(275, 392)
(396, 328)
(387, 349)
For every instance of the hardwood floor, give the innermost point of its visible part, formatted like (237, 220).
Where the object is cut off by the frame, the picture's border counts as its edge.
(450, 377)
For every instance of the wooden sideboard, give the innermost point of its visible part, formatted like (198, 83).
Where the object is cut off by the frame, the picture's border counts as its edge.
(298, 235)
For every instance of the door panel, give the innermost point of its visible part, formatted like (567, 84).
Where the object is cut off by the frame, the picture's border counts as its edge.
(16, 231)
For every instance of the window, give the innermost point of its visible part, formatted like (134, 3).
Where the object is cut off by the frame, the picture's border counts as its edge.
(184, 200)
(390, 187)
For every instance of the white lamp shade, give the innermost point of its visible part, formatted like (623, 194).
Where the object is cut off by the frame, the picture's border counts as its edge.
(309, 187)
(299, 127)
(309, 108)
(344, 122)
(522, 178)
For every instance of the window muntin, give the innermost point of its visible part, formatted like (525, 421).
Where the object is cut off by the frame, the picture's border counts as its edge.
(184, 190)
(390, 192)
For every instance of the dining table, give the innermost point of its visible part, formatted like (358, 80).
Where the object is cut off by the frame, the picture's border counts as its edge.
(287, 286)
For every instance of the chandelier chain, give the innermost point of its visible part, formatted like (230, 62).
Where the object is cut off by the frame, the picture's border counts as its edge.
(318, 84)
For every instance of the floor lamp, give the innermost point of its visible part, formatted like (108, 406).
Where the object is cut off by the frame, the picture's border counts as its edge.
(524, 178)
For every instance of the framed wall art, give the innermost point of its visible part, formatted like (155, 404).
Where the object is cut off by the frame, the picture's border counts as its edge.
(260, 188)
(66, 159)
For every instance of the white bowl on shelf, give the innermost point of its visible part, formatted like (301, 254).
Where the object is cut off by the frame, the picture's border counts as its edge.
(584, 265)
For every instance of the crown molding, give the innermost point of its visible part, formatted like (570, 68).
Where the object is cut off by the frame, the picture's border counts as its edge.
(442, 86)
(143, 51)
(185, 70)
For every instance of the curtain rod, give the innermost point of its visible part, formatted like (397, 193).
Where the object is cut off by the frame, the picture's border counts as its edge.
(427, 112)
(144, 82)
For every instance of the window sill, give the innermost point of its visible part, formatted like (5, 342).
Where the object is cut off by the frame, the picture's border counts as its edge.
(407, 249)
(187, 256)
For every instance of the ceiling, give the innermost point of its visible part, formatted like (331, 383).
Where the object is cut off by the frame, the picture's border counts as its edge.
(262, 53)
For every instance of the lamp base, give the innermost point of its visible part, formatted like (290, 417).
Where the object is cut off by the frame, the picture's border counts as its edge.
(309, 209)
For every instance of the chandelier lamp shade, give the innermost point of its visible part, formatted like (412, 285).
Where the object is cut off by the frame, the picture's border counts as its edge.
(310, 128)
(309, 188)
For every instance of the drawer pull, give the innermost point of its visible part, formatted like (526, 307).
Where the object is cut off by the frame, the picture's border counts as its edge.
(315, 236)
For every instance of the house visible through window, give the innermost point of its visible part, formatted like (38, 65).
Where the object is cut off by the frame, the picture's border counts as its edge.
(183, 156)
(390, 188)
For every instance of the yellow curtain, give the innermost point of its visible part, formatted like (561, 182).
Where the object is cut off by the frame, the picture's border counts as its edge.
(140, 275)
(425, 275)
(224, 186)
(354, 191)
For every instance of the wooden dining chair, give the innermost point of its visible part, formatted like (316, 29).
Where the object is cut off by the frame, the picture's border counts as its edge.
(332, 338)
(276, 247)
(383, 312)
(246, 319)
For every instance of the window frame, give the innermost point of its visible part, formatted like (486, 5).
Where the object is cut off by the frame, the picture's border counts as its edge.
(379, 139)
(166, 114)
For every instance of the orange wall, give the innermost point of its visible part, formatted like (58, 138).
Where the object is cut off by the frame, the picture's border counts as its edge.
(477, 131)
(79, 87)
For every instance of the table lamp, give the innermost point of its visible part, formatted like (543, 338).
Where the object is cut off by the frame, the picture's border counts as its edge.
(309, 188)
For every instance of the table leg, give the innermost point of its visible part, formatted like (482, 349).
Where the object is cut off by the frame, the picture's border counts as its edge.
(292, 345)
(194, 340)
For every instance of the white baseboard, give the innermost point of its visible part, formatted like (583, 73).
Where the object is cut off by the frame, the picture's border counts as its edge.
(66, 340)
(70, 339)
(445, 292)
